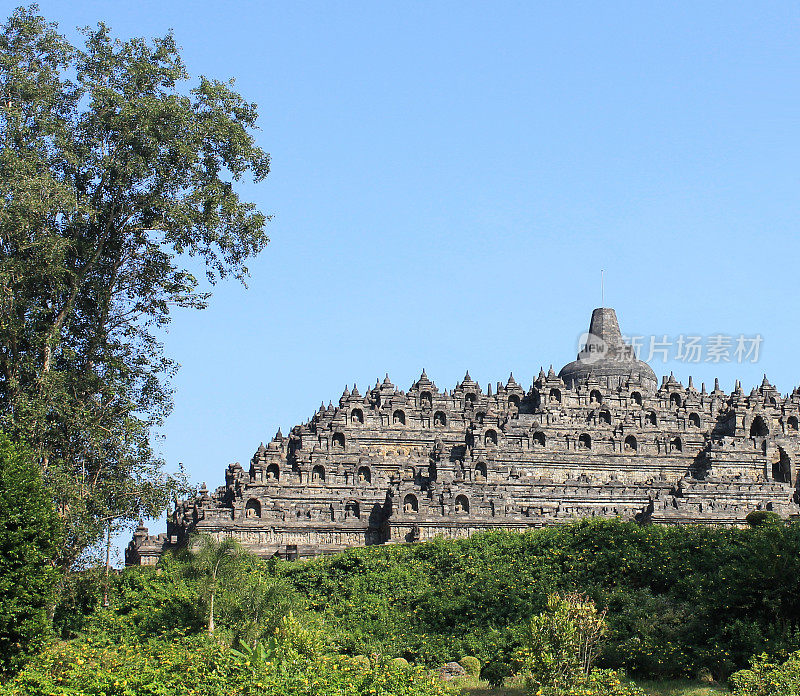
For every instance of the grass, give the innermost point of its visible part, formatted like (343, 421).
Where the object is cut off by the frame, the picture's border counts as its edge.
(471, 686)
(682, 687)
(671, 687)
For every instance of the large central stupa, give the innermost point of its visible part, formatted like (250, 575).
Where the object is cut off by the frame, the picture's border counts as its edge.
(607, 358)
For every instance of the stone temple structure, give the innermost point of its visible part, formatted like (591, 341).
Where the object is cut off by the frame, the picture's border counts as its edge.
(603, 438)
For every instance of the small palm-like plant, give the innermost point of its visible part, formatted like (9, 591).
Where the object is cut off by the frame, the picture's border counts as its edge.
(257, 604)
(215, 564)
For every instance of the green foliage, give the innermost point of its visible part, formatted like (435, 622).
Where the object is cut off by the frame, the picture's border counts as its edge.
(757, 518)
(495, 672)
(362, 661)
(647, 633)
(605, 682)
(562, 644)
(471, 665)
(679, 598)
(399, 663)
(256, 605)
(767, 678)
(28, 538)
(216, 566)
(201, 666)
(113, 171)
(234, 588)
(145, 604)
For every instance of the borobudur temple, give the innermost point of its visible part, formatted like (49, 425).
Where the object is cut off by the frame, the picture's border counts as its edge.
(602, 438)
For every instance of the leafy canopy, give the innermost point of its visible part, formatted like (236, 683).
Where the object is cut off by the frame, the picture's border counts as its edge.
(116, 179)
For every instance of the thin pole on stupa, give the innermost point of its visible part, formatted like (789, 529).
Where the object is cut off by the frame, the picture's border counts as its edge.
(602, 290)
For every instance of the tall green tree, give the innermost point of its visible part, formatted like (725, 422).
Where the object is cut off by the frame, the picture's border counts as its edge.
(117, 178)
(28, 539)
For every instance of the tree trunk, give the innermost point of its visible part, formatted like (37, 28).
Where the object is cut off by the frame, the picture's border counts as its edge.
(211, 615)
(108, 564)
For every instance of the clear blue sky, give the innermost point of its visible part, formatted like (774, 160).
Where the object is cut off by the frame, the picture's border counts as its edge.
(448, 179)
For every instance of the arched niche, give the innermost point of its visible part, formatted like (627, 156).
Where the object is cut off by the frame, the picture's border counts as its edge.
(252, 509)
(352, 510)
(759, 428)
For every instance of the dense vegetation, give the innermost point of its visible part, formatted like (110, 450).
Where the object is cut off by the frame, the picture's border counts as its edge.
(28, 542)
(679, 600)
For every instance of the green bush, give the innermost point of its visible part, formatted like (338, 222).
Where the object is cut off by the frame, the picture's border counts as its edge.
(648, 634)
(766, 678)
(361, 661)
(495, 672)
(757, 518)
(400, 663)
(471, 665)
(203, 667)
(562, 644)
(679, 598)
(605, 682)
(719, 590)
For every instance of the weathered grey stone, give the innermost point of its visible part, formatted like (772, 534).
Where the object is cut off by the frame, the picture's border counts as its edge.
(600, 440)
(451, 670)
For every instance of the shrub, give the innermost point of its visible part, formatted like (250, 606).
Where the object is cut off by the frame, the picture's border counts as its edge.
(679, 598)
(201, 666)
(765, 678)
(471, 665)
(361, 661)
(562, 644)
(605, 682)
(495, 672)
(400, 663)
(446, 598)
(759, 518)
(648, 634)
